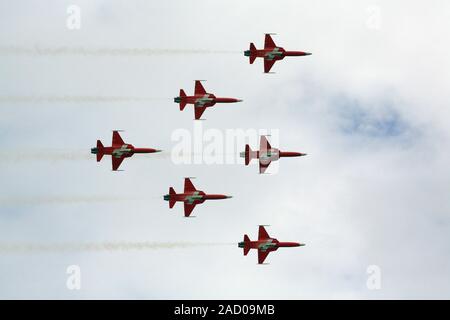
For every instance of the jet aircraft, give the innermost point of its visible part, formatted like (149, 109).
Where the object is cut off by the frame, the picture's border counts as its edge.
(266, 154)
(271, 53)
(191, 197)
(119, 150)
(201, 99)
(265, 244)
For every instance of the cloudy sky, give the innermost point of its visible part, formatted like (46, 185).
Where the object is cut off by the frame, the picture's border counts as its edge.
(370, 107)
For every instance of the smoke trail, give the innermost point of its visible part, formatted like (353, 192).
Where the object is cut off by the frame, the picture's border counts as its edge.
(33, 201)
(103, 51)
(74, 99)
(46, 155)
(100, 246)
(53, 155)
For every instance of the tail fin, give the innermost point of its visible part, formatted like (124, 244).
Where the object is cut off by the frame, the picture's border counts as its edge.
(171, 200)
(246, 244)
(252, 55)
(182, 99)
(99, 150)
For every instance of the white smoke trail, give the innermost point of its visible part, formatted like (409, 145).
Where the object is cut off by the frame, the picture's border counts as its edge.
(45, 155)
(38, 50)
(16, 156)
(100, 246)
(51, 200)
(74, 99)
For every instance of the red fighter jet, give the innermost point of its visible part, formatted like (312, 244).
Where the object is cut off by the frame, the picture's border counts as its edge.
(271, 53)
(118, 151)
(191, 197)
(201, 99)
(266, 154)
(265, 244)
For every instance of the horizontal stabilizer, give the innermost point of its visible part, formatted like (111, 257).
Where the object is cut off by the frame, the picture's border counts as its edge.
(252, 55)
(171, 201)
(99, 150)
(246, 244)
(182, 99)
(247, 154)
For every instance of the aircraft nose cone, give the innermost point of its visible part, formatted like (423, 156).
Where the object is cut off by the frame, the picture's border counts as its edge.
(301, 244)
(228, 197)
(298, 154)
(308, 53)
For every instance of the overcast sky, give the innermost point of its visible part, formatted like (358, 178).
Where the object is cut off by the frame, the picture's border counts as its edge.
(370, 106)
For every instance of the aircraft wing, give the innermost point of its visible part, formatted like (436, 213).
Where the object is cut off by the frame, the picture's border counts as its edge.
(199, 88)
(263, 166)
(262, 255)
(268, 42)
(188, 186)
(268, 65)
(117, 139)
(264, 144)
(198, 112)
(188, 209)
(116, 162)
(262, 233)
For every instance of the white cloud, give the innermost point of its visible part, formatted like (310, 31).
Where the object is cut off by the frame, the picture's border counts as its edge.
(369, 107)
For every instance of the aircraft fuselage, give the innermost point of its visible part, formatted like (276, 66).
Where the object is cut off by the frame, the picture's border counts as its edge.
(122, 151)
(205, 100)
(268, 244)
(276, 53)
(194, 197)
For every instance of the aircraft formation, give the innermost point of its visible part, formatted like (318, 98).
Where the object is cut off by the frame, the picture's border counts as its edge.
(201, 100)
